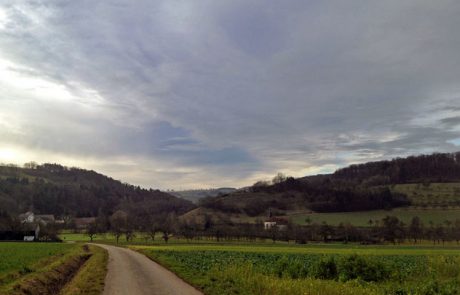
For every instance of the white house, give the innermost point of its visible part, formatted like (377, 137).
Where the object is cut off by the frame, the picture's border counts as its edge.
(271, 222)
(28, 217)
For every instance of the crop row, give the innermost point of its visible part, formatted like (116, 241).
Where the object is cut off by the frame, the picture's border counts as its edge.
(397, 267)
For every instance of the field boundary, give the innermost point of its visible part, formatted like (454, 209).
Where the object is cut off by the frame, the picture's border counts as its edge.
(53, 278)
(90, 278)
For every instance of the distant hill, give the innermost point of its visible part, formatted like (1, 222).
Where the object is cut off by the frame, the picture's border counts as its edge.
(439, 167)
(371, 186)
(59, 190)
(196, 195)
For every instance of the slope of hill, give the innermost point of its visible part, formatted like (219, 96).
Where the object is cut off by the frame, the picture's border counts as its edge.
(427, 180)
(58, 190)
(197, 194)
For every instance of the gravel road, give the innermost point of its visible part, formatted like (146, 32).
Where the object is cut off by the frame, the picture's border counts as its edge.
(131, 273)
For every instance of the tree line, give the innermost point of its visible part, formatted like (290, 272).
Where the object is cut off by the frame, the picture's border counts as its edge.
(386, 230)
(438, 167)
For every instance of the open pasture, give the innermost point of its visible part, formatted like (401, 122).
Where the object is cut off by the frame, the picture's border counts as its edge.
(361, 218)
(431, 195)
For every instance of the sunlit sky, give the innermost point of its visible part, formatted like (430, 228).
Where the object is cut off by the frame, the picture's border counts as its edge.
(197, 94)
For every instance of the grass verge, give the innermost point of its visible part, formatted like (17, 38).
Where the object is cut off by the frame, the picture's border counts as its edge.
(51, 278)
(90, 279)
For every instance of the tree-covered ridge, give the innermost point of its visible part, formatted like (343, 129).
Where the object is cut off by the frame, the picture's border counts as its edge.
(355, 188)
(59, 190)
(439, 167)
(327, 195)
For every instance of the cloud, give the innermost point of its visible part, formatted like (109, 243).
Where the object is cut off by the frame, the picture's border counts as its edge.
(210, 93)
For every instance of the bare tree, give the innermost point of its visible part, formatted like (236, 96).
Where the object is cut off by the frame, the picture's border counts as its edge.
(92, 230)
(279, 178)
(118, 223)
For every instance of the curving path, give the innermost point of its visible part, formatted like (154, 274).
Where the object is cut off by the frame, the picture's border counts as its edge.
(131, 273)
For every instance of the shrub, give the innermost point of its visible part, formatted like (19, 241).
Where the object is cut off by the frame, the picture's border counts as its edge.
(325, 269)
(297, 269)
(358, 267)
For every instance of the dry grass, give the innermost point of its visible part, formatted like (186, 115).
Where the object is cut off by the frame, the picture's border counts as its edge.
(90, 279)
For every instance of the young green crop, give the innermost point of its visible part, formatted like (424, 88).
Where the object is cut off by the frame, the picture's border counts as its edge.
(24, 257)
(305, 270)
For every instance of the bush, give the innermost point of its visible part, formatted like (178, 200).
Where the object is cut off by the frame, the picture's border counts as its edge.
(291, 268)
(297, 269)
(325, 269)
(358, 267)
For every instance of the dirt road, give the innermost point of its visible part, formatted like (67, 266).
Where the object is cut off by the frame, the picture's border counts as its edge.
(131, 273)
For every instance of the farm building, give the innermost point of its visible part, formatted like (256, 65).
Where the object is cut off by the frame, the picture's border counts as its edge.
(28, 233)
(29, 217)
(278, 222)
(84, 222)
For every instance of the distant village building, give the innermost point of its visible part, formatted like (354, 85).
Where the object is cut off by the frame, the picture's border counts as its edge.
(84, 222)
(30, 217)
(279, 223)
(272, 221)
(29, 232)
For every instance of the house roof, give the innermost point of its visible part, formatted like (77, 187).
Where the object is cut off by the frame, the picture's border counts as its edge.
(45, 217)
(82, 221)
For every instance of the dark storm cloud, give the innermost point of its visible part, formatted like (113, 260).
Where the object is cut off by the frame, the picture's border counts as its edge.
(452, 121)
(213, 92)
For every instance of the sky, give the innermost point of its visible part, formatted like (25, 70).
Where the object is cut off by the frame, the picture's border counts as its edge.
(196, 94)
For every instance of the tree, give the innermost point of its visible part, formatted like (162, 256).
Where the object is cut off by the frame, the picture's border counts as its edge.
(260, 185)
(456, 230)
(118, 223)
(440, 233)
(165, 236)
(392, 229)
(325, 230)
(279, 178)
(150, 227)
(92, 230)
(415, 229)
(49, 232)
(273, 232)
(30, 165)
(169, 226)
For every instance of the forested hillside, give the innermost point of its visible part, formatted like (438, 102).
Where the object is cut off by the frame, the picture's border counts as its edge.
(360, 187)
(437, 167)
(58, 190)
(197, 194)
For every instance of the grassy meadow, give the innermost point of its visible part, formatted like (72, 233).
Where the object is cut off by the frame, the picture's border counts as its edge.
(362, 218)
(431, 195)
(312, 269)
(431, 202)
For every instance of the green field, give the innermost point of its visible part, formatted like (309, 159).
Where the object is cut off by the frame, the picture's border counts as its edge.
(19, 259)
(362, 218)
(319, 269)
(434, 202)
(431, 195)
(43, 268)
